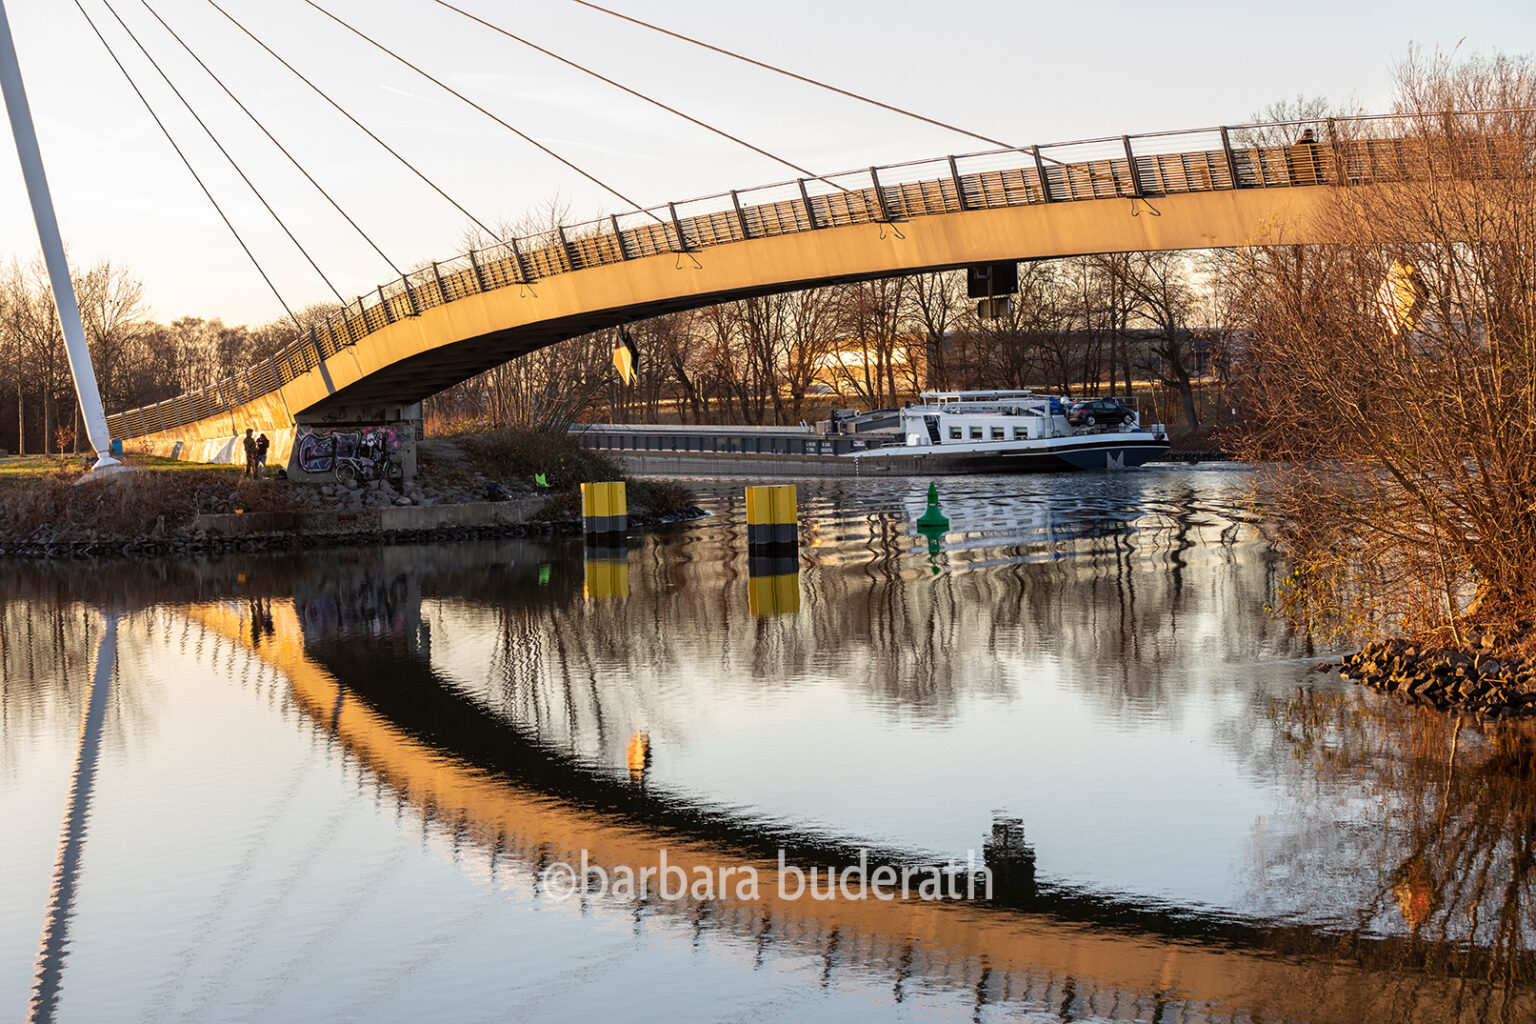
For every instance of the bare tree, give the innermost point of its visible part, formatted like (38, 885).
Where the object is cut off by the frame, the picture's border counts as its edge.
(935, 304)
(1403, 354)
(113, 313)
(1159, 282)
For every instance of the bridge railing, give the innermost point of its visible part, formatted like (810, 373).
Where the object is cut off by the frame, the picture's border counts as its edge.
(1345, 151)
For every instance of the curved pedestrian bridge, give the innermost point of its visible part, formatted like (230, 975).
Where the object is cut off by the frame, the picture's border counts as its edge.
(443, 323)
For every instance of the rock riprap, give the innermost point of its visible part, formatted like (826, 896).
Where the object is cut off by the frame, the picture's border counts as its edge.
(1479, 682)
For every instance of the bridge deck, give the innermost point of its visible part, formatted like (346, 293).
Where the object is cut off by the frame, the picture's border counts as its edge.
(890, 197)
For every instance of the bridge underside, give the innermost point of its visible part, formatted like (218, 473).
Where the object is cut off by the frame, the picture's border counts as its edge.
(417, 356)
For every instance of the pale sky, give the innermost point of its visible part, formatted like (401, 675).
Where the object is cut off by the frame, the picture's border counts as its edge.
(1025, 72)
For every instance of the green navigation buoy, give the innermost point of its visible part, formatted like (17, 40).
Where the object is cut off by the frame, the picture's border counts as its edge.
(933, 519)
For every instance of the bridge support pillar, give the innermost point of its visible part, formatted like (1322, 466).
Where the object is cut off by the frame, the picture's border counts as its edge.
(369, 440)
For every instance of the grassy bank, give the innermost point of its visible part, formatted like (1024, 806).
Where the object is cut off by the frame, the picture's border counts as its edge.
(21, 472)
(515, 459)
(50, 502)
(53, 505)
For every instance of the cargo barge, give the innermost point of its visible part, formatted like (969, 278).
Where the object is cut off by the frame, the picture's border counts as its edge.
(946, 433)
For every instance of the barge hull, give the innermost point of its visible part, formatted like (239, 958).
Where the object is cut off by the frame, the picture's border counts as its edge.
(1095, 456)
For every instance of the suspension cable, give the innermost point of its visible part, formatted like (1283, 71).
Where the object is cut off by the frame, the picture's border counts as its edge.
(343, 111)
(790, 74)
(134, 85)
(215, 140)
(448, 88)
(636, 93)
(257, 122)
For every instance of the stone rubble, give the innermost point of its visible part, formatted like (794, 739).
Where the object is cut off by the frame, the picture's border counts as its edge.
(1481, 683)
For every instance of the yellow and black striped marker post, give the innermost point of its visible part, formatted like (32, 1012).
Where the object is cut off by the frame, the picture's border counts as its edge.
(773, 550)
(607, 568)
(772, 518)
(604, 513)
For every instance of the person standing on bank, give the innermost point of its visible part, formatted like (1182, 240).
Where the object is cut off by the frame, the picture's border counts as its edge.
(250, 453)
(262, 444)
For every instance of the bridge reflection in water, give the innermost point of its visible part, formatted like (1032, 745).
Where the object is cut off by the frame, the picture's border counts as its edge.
(482, 688)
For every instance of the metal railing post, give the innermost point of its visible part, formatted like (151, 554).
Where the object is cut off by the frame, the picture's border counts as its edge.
(523, 277)
(1226, 147)
(618, 237)
(479, 275)
(954, 177)
(565, 248)
(741, 217)
(805, 197)
(677, 226)
(1130, 160)
(874, 179)
(1045, 183)
(384, 303)
(442, 292)
(410, 296)
(1333, 147)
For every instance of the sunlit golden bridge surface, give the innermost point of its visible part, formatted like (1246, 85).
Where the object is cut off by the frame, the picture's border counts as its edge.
(441, 324)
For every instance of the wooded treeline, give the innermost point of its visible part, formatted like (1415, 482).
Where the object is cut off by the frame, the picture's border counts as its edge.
(1085, 326)
(137, 360)
(1088, 325)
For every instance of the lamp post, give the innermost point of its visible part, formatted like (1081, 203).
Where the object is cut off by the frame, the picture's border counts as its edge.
(53, 247)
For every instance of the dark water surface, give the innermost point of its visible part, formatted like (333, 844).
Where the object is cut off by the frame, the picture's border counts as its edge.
(344, 785)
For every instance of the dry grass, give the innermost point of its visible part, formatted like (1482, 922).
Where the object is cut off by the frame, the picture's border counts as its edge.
(58, 507)
(511, 455)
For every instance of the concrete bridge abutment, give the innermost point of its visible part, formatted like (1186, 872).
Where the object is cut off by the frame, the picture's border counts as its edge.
(370, 440)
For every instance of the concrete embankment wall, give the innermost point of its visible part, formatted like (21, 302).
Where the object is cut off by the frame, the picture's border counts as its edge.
(373, 520)
(221, 451)
(640, 463)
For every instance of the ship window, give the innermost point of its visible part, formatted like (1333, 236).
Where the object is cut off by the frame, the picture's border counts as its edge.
(1018, 433)
(955, 433)
(975, 433)
(997, 433)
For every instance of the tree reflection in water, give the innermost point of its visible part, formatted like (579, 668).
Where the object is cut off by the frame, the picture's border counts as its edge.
(1448, 854)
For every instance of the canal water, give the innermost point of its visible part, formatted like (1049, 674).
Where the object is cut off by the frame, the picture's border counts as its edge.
(428, 782)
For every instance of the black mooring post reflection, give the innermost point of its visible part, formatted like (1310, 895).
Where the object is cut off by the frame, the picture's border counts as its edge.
(54, 947)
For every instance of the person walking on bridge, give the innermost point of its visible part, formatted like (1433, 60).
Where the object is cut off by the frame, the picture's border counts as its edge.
(1304, 159)
(250, 453)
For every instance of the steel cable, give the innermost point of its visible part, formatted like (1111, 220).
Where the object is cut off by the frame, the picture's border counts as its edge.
(465, 99)
(257, 122)
(820, 84)
(190, 169)
(215, 140)
(790, 74)
(637, 94)
(344, 113)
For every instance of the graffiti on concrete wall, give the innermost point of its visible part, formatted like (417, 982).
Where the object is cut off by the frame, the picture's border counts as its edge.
(319, 451)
